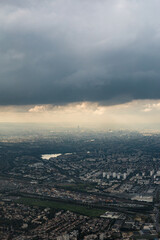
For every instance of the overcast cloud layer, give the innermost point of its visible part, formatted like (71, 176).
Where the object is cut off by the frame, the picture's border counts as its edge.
(64, 51)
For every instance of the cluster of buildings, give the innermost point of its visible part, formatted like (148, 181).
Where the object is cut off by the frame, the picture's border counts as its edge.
(23, 222)
(118, 174)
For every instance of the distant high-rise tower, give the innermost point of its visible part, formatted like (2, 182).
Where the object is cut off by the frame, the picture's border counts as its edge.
(114, 174)
(124, 175)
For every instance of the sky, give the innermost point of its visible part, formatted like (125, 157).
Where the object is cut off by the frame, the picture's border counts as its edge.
(80, 61)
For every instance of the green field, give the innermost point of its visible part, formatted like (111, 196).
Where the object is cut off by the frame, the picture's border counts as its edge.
(91, 212)
(81, 187)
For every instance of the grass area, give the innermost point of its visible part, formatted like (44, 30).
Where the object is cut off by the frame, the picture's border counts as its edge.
(91, 212)
(78, 187)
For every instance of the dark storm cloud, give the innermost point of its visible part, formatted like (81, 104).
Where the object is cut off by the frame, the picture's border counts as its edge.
(67, 51)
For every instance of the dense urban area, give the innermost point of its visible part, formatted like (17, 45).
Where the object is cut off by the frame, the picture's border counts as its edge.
(79, 184)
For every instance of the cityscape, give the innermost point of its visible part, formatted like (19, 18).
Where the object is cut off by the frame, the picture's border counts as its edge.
(80, 185)
(79, 120)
